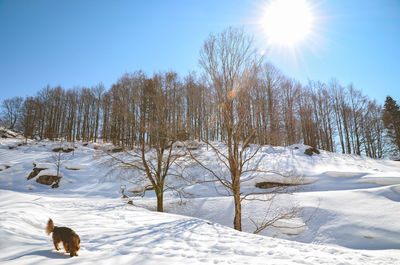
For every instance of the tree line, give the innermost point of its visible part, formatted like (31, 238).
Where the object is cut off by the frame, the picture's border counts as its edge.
(279, 111)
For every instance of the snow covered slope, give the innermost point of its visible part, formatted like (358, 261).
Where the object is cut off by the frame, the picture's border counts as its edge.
(353, 201)
(113, 232)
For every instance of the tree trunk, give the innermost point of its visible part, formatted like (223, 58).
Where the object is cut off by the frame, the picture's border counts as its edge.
(160, 195)
(237, 221)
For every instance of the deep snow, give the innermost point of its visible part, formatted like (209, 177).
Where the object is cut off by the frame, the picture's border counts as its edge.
(354, 203)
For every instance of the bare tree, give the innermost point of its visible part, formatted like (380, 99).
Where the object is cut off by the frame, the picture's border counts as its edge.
(59, 157)
(155, 155)
(290, 90)
(12, 111)
(272, 79)
(230, 62)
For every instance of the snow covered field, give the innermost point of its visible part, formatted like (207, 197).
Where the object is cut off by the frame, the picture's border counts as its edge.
(354, 203)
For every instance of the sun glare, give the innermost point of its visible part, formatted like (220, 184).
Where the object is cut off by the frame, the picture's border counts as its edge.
(287, 22)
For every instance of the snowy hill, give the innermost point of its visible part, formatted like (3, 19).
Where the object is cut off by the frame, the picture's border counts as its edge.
(353, 203)
(113, 232)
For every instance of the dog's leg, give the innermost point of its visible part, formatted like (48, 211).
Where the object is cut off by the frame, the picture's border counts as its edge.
(74, 245)
(56, 241)
(56, 244)
(66, 247)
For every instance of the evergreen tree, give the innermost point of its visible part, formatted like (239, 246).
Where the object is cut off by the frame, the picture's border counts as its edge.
(391, 121)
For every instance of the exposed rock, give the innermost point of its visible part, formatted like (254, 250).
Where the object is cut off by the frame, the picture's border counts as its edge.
(68, 150)
(192, 145)
(268, 185)
(178, 145)
(63, 149)
(34, 173)
(5, 133)
(315, 150)
(57, 149)
(72, 168)
(48, 180)
(310, 151)
(37, 167)
(117, 149)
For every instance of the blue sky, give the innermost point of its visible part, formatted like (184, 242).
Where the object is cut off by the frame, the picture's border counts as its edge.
(81, 42)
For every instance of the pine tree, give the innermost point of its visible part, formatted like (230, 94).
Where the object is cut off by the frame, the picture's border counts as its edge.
(391, 121)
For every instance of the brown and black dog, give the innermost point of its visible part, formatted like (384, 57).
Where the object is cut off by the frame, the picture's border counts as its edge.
(67, 236)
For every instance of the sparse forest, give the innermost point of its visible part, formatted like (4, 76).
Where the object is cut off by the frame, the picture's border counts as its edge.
(279, 110)
(326, 116)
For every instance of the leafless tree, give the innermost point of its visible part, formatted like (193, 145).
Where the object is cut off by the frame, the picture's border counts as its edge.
(230, 61)
(155, 155)
(12, 111)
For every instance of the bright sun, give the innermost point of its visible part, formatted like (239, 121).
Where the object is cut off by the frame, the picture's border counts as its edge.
(287, 22)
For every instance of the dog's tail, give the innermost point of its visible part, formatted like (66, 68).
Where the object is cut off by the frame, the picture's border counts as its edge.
(49, 227)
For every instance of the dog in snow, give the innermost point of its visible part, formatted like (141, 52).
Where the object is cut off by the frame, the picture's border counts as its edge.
(67, 236)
